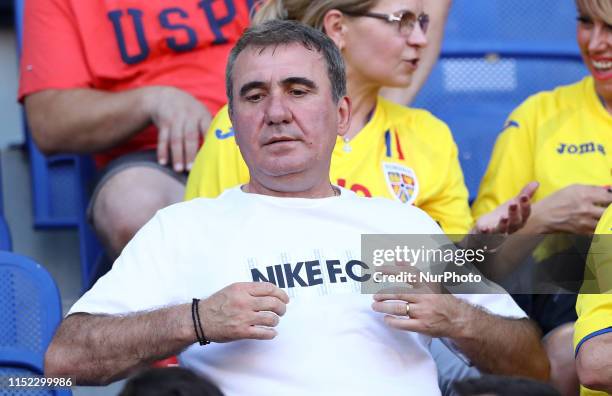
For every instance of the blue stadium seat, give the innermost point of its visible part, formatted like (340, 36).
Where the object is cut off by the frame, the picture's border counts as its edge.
(60, 188)
(30, 309)
(5, 234)
(55, 182)
(495, 54)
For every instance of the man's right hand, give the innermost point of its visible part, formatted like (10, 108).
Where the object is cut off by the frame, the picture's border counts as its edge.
(248, 310)
(181, 119)
(574, 209)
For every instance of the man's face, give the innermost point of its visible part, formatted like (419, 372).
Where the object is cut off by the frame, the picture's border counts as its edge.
(285, 119)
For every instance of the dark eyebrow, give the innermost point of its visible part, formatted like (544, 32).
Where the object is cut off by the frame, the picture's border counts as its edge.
(287, 81)
(301, 81)
(251, 85)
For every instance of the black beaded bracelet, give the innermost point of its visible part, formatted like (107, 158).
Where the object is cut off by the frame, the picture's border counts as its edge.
(197, 323)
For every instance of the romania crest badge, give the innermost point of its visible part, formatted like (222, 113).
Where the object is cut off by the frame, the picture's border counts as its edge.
(402, 182)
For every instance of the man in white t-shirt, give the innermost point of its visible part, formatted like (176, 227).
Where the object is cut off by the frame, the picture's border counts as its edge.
(288, 234)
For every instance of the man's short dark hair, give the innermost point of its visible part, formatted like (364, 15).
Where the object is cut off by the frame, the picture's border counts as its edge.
(171, 381)
(503, 386)
(278, 32)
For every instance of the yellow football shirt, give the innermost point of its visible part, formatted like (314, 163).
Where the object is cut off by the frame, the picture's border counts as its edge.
(558, 138)
(595, 310)
(401, 153)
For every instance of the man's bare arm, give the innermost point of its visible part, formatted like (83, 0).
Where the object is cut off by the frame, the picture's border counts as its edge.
(493, 343)
(98, 349)
(88, 120)
(500, 345)
(85, 120)
(594, 363)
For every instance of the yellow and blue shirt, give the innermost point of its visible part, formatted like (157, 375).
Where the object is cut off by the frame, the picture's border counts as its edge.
(559, 138)
(401, 153)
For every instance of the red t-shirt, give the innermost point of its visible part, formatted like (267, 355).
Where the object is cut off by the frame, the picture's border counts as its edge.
(115, 45)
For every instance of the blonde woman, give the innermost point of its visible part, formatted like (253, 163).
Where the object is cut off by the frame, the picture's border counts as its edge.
(562, 139)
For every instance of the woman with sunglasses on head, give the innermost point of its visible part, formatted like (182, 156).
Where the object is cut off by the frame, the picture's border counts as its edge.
(563, 139)
(390, 150)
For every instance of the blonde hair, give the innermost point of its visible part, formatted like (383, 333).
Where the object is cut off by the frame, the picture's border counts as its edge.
(600, 9)
(309, 12)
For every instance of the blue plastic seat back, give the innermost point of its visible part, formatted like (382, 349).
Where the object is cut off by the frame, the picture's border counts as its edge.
(5, 235)
(496, 53)
(55, 187)
(6, 243)
(30, 308)
(60, 188)
(55, 179)
(520, 21)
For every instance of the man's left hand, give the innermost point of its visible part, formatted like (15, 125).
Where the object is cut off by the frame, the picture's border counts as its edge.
(435, 315)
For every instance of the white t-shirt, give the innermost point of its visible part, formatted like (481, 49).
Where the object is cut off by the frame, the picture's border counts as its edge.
(330, 341)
